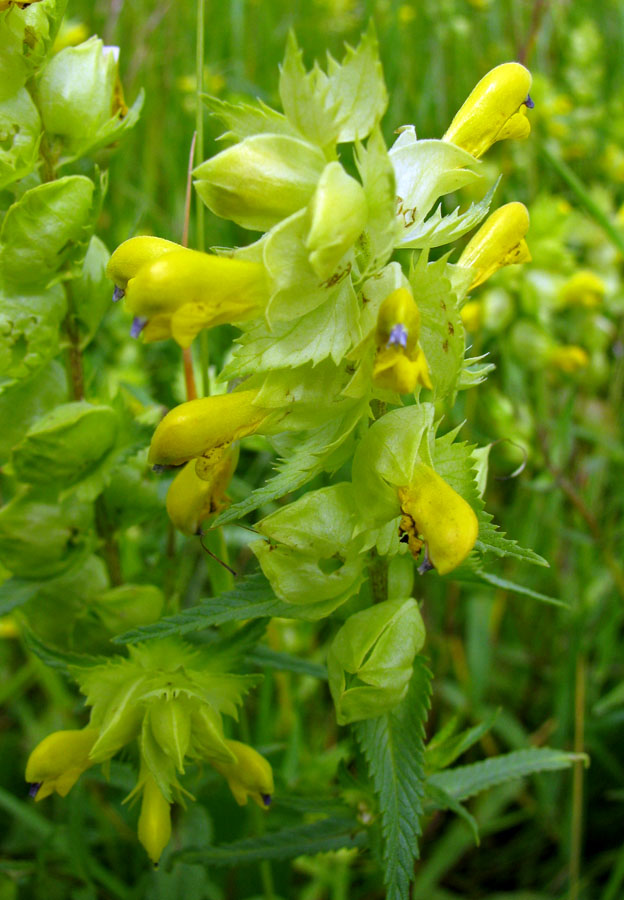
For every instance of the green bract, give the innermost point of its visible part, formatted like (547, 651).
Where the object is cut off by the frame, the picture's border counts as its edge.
(20, 131)
(66, 445)
(26, 37)
(370, 659)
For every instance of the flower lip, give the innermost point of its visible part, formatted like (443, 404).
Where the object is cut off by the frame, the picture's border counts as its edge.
(529, 103)
(118, 294)
(266, 799)
(398, 335)
(33, 789)
(138, 324)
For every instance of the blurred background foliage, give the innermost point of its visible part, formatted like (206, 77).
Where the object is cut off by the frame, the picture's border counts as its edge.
(556, 673)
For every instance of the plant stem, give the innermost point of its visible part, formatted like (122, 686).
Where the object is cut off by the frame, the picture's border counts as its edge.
(75, 368)
(199, 116)
(379, 577)
(110, 548)
(577, 779)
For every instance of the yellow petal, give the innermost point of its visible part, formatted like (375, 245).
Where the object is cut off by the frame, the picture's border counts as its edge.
(154, 828)
(499, 242)
(135, 253)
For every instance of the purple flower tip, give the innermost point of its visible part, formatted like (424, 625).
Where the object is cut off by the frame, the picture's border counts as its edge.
(398, 335)
(266, 799)
(118, 293)
(33, 790)
(529, 103)
(138, 324)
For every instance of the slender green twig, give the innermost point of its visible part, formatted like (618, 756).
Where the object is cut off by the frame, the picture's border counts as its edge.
(577, 779)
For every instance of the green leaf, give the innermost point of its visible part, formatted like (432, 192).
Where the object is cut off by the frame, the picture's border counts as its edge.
(330, 330)
(251, 598)
(442, 332)
(308, 459)
(492, 540)
(58, 659)
(436, 798)
(465, 781)
(383, 227)
(282, 662)
(393, 745)
(440, 754)
(472, 573)
(91, 293)
(15, 592)
(29, 332)
(45, 229)
(245, 120)
(426, 170)
(319, 837)
(439, 229)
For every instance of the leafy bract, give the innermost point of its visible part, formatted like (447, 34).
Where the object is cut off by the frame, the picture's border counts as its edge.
(26, 401)
(439, 229)
(426, 170)
(245, 120)
(26, 37)
(441, 328)
(383, 227)
(45, 230)
(342, 105)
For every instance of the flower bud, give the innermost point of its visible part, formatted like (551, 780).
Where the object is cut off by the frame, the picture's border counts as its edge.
(199, 427)
(495, 110)
(374, 652)
(433, 513)
(339, 213)
(170, 721)
(499, 242)
(154, 828)
(192, 498)
(261, 180)
(182, 292)
(250, 776)
(584, 288)
(400, 364)
(78, 92)
(58, 761)
(135, 253)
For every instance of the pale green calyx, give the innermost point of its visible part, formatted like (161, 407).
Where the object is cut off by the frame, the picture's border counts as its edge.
(339, 213)
(370, 659)
(261, 180)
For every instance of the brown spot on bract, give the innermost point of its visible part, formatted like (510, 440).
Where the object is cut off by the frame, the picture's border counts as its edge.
(451, 330)
(442, 304)
(445, 346)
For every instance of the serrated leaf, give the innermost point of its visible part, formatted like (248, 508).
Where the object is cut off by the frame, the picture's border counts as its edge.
(439, 229)
(308, 459)
(466, 781)
(58, 659)
(244, 119)
(319, 837)
(285, 662)
(305, 97)
(436, 798)
(382, 228)
(492, 540)
(393, 745)
(442, 331)
(330, 330)
(251, 598)
(439, 755)
(472, 373)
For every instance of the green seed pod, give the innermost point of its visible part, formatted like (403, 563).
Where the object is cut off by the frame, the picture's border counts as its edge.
(128, 606)
(41, 537)
(66, 445)
(261, 180)
(370, 659)
(170, 721)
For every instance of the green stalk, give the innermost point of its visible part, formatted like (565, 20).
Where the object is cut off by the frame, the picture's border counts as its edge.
(204, 348)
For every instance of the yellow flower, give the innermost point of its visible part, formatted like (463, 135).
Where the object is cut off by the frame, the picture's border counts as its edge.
(154, 828)
(584, 288)
(499, 242)
(400, 364)
(175, 292)
(434, 514)
(195, 495)
(250, 776)
(568, 359)
(495, 110)
(205, 427)
(58, 761)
